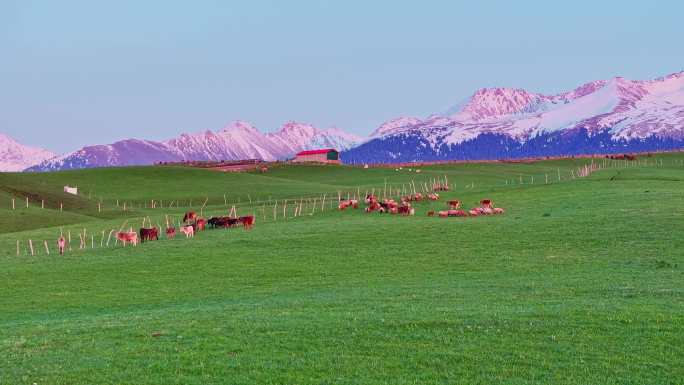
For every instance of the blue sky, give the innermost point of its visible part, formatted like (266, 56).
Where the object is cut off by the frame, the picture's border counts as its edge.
(84, 72)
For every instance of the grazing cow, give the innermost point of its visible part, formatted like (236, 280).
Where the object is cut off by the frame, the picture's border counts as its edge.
(149, 234)
(214, 221)
(61, 244)
(128, 236)
(189, 231)
(200, 224)
(189, 216)
(433, 196)
(247, 221)
(454, 204)
(170, 232)
(223, 222)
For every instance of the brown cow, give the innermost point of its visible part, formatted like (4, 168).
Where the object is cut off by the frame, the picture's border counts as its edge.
(189, 216)
(149, 234)
(431, 213)
(170, 232)
(200, 224)
(247, 221)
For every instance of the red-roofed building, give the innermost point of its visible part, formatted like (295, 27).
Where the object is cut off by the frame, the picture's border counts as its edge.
(327, 155)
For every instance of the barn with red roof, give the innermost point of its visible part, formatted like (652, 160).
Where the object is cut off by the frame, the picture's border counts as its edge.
(326, 155)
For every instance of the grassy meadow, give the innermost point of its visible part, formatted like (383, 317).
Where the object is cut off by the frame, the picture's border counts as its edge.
(581, 281)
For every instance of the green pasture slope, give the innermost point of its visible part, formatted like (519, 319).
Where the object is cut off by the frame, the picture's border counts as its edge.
(580, 282)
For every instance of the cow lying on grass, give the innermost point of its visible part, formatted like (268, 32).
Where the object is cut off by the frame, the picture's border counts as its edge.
(485, 208)
(433, 196)
(415, 197)
(452, 213)
(344, 204)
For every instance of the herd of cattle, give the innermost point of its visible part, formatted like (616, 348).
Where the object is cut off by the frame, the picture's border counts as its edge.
(191, 224)
(404, 206)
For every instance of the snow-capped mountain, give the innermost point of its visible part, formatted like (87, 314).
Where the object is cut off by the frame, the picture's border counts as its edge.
(16, 157)
(238, 140)
(598, 117)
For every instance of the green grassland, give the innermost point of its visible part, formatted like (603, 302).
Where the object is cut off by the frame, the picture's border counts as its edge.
(581, 281)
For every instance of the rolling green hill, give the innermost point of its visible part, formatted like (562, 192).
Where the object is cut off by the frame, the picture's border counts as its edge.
(580, 281)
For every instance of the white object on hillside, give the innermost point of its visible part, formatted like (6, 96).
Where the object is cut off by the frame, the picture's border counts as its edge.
(71, 190)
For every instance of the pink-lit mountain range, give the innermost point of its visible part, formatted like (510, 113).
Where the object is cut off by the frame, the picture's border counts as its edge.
(625, 110)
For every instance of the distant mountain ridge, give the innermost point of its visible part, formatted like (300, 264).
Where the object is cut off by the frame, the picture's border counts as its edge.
(603, 116)
(597, 117)
(16, 157)
(238, 140)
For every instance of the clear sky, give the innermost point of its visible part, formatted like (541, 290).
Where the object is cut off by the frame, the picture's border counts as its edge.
(85, 72)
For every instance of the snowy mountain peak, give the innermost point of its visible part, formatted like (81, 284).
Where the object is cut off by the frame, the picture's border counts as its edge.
(396, 125)
(239, 125)
(238, 140)
(489, 103)
(16, 157)
(297, 131)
